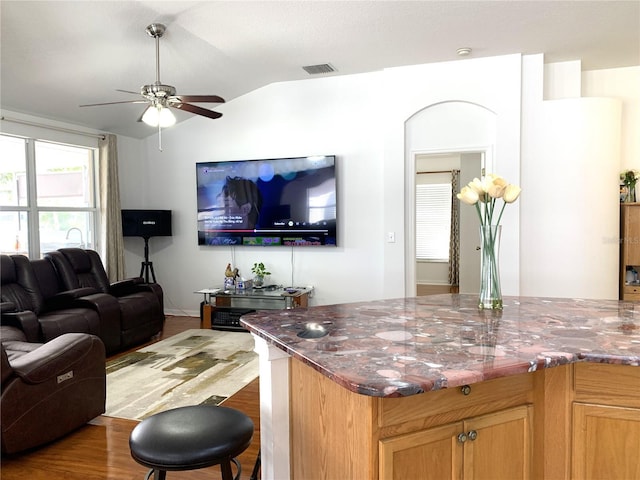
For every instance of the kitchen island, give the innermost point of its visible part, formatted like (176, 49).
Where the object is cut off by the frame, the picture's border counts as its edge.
(429, 387)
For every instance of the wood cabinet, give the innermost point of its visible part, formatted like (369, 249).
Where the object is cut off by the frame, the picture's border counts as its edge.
(336, 433)
(629, 248)
(606, 422)
(576, 421)
(497, 446)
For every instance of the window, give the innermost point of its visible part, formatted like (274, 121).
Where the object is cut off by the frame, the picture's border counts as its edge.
(322, 202)
(433, 218)
(47, 196)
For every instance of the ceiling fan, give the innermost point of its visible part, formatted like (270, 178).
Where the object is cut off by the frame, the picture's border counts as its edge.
(161, 97)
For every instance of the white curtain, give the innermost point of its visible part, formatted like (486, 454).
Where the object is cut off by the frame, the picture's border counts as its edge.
(112, 242)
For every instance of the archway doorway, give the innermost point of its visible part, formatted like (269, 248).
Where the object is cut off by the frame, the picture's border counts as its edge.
(448, 128)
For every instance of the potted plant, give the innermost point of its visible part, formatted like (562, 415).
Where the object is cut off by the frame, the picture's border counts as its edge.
(629, 178)
(260, 271)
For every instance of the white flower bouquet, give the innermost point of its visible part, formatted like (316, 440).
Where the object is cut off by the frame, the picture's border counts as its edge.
(484, 194)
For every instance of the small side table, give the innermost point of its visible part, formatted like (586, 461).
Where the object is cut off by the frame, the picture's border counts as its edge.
(221, 309)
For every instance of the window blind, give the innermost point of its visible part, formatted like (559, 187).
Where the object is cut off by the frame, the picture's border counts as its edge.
(433, 221)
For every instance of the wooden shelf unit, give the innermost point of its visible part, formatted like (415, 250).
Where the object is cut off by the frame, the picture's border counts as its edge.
(629, 248)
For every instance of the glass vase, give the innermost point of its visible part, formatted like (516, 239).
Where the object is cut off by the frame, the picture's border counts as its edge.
(490, 292)
(631, 194)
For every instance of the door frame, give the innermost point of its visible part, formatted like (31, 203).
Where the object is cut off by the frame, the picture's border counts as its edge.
(487, 165)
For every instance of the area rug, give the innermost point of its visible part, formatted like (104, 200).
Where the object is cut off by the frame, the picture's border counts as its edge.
(192, 368)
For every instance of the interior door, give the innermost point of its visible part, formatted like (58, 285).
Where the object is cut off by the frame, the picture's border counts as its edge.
(471, 165)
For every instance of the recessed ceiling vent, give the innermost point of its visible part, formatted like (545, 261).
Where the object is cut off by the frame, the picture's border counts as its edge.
(319, 69)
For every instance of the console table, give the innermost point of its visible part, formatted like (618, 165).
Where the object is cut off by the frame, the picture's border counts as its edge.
(221, 309)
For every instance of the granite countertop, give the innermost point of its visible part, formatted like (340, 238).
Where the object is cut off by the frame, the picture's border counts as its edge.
(401, 347)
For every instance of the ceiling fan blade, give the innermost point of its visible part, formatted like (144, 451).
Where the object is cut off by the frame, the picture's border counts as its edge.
(199, 98)
(197, 110)
(127, 91)
(113, 103)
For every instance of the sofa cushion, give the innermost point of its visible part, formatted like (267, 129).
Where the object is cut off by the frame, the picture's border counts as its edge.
(19, 283)
(14, 345)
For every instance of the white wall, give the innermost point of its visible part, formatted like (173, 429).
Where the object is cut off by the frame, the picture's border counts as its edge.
(344, 116)
(570, 202)
(49, 134)
(361, 119)
(491, 83)
(336, 115)
(622, 84)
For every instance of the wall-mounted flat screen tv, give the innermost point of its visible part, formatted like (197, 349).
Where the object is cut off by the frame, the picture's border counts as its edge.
(271, 202)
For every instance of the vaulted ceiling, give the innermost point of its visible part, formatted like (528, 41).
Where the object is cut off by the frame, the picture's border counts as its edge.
(57, 55)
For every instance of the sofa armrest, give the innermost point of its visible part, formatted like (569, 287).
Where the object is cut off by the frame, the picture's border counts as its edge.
(77, 293)
(105, 304)
(123, 287)
(26, 320)
(132, 285)
(108, 309)
(56, 358)
(67, 299)
(6, 307)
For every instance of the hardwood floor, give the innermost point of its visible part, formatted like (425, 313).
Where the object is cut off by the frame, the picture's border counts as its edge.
(100, 450)
(426, 289)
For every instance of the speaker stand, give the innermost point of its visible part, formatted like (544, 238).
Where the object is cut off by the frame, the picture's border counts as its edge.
(147, 266)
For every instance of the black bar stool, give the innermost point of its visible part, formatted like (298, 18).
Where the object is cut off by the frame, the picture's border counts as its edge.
(188, 438)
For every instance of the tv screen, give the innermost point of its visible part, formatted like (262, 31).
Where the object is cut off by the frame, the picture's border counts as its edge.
(271, 202)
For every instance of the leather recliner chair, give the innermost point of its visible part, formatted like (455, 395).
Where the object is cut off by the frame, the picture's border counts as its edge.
(56, 298)
(48, 390)
(21, 288)
(141, 304)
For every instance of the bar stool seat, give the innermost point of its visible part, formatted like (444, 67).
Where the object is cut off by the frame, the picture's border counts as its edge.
(189, 438)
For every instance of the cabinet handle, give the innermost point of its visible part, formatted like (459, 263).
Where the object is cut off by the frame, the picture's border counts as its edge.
(462, 437)
(472, 435)
(465, 389)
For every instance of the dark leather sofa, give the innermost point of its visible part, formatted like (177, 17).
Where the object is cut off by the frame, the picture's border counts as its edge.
(48, 390)
(68, 292)
(141, 304)
(60, 300)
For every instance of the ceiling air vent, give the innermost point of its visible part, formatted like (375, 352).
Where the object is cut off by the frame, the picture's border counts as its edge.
(319, 69)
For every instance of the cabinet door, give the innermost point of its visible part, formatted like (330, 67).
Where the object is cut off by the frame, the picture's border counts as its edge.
(606, 442)
(433, 454)
(499, 445)
(631, 235)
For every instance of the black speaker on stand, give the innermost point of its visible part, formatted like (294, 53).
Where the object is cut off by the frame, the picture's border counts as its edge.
(146, 224)
(147, 266)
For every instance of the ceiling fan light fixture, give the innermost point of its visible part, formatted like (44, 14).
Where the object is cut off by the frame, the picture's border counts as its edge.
(157, 115)
(159, 97)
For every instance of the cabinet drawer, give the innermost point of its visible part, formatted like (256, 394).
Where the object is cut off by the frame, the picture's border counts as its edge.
(631, 297)
(450, 404)
(617, 385)
(631, 289)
